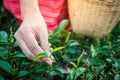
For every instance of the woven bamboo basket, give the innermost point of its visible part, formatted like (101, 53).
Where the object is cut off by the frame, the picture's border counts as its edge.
(93, 18)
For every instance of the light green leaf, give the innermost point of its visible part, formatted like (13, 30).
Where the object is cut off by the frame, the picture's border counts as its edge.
(94, 53)
(3, 36)
(6, 66)
(80, 58)
(41, 55)
(22, 74)
(70, 70)
(62, 25)
(57, 49)
(75, 66)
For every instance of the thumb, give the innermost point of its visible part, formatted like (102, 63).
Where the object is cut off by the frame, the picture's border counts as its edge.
(45, 45)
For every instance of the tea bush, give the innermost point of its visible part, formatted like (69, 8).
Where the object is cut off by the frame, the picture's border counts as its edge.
(75, 57)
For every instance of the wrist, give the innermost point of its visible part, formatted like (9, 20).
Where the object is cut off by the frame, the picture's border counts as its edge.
(29, 8)
(32, 16)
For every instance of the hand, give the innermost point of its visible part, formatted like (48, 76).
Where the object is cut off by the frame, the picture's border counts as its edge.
(33, 29)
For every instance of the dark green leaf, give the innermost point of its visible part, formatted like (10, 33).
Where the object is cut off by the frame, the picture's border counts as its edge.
(66, 58)
(18, 55)
(5, 43)
(94, 61)
(64, 71)
(70, 76)
(1, 77)
(100, 69)
(80, 71)
(2, 51)
(57, 72)
(3, 36)
(22, 74)
(6, 66)
(117, 63)
(90, 76)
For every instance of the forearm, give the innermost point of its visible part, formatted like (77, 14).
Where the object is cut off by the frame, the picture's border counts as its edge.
(29, 8)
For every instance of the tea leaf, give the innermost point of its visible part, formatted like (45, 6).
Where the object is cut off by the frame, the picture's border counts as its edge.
(94, 62)
(2, 51)
(75, 66)
(90, 76)
(57, 49)
(18, 55)
(94, 53)
(3, 36)
(6, 66)
(100, 69)
(66, 58)
(57, 72)
(62, 25)
(70, 76)
(1, 77)
(22, 74)
(80, 71)
(117, 63)
(117, 77)
(80, 58)
(41, 55)
(5, 43)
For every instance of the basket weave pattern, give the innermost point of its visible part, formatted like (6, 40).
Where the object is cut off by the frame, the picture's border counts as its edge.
(94, 18)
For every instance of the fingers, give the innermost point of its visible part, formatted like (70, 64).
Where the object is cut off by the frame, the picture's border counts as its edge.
(24, 48)
(32, 44)
(35, 48)
(45, 45)
(30, 47)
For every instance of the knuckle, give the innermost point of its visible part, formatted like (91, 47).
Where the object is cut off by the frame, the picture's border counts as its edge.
(16, 35)
(44, 44)
(29, 56)
(33, 48)
(20, 32)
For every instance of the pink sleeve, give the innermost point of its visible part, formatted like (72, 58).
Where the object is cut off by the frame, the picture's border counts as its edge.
(53, 11)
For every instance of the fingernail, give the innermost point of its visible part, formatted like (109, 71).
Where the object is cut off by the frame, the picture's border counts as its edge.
(48, 61)
(51, 57)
